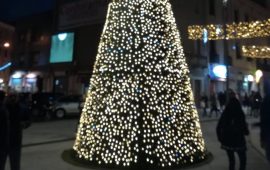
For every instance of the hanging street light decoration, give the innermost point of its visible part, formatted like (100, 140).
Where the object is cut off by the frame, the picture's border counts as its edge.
(256, 51)
(242, 30)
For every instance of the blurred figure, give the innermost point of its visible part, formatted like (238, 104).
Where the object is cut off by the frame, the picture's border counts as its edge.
(246, 103)
(214, 108)
(204, 104)
(265, 125)
(24, 104)
(4, 131)
(17, 118)
(222, 100)
(231, 131)
(256, 104)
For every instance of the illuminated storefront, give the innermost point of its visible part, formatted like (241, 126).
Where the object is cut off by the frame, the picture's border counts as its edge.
(21, 81)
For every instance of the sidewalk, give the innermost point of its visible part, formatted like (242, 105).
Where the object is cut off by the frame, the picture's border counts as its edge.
(254, 136)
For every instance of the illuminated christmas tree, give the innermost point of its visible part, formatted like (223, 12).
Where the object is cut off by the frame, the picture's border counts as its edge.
(140, 108)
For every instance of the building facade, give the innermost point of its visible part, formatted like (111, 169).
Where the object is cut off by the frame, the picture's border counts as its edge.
(31, 71)
(84, 20)
(6, 47)
(204, 55)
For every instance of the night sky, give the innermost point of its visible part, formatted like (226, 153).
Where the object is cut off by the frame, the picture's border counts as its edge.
(10, 10)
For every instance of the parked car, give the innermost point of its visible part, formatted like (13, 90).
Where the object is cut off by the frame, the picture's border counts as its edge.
(67, 105)
(42, 103)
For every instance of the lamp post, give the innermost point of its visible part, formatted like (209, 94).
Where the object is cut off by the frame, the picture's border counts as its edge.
(225, 47)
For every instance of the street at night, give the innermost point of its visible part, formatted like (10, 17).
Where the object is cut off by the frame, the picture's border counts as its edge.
(134, 84)
(45, 142)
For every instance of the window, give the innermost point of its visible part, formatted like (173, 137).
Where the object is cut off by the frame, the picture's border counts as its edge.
(236, 16)
(261, 2)
(246, 17)
(6, 53)
(212, 7)
(197, 11)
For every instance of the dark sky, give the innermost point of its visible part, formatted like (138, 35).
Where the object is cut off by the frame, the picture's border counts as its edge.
(11, 10)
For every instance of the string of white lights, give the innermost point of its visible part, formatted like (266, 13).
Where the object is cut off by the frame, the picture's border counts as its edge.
(256, 51)
(240, 30)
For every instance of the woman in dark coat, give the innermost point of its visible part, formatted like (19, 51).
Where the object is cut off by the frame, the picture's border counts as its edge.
(14, 118)
(231, 131)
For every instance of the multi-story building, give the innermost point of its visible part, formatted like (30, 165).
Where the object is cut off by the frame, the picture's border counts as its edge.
(40, 64)
(31, 71)
(6, 47)
(83, 21)
(203, 55)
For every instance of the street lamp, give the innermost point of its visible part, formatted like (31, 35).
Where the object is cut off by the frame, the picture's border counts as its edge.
(6, 44)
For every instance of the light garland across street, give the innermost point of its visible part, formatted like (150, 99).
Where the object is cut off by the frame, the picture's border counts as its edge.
(242, 30)
(256, 51)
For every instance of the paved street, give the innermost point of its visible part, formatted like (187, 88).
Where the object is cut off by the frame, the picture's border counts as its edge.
(45, 142)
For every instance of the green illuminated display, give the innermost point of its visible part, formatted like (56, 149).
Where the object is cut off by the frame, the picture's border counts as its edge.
(62, 48)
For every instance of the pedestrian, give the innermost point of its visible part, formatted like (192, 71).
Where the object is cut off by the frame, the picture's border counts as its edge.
(246, 103)
(265, 125)
(14, 122)
(256, 104)
(204, 104)
(231, 131)
(213, 102)
(3, 131)
(222, 100)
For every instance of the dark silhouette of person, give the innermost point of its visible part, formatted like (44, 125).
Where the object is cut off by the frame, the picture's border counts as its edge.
(204, 101)
(13, 124)
(4, 140)
(256, 104)
(265, 125)
(214, 108)
(231, 131)
(246, 102)
(222, 99)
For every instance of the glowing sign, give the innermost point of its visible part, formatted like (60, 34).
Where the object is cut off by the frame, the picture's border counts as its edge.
(62, 48)
(62, 36)
(220, 71)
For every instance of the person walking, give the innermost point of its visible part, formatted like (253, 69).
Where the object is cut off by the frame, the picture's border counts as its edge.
(204, 104)
(265, 125)
(222, 100)
(14, 121)
(213, 101)
(231, 131)
(4, 131)
(256, 103)
(246, 103)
